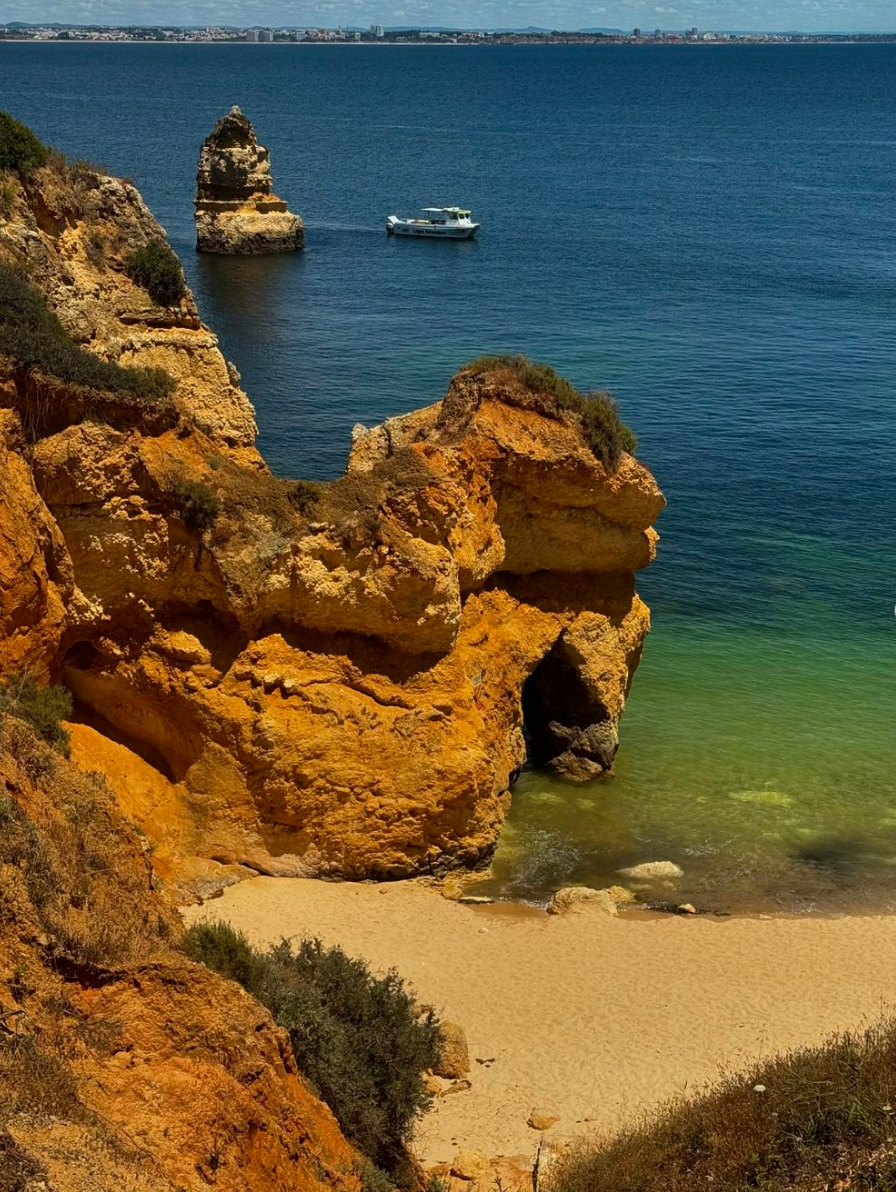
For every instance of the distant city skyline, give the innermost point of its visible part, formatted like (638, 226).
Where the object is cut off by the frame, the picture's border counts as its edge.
(811, 16)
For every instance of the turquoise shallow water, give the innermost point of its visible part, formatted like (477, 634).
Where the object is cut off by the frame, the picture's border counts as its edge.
(711, 233)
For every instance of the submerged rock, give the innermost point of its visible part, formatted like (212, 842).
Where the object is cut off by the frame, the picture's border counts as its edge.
(236, 209)
(653, 871)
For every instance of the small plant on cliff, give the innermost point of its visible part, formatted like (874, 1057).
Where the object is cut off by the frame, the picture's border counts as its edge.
(20, 150)
(156, 268)
(605, 430)
(35, 339)
(357, 1037)
(538, 378)
(304, 496)
(607, 434)
(44, 708)
(197, 504)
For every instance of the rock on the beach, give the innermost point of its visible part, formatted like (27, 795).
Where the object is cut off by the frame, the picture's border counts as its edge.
(542, 1119)
(454, 1060)
(653, 871)
(470, 1165)
(574, 899)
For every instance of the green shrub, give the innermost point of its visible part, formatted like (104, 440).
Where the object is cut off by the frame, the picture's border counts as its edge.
(43, 708)
(372, 1179)
(357, 1037)
(156, 268)
(33, 336)
(197, 504)
(304, 496)
(20, 150)
(218, 946)
(607, 434)
(801, 1121)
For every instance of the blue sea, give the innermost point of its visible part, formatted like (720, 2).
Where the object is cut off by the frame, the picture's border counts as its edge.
(709, 232)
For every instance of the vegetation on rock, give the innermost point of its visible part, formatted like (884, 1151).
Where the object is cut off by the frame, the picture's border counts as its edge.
(197, 504)
(157, 269)
(43, 708)
(821, 1117)
(91, 970)
(304, 496)
(20, 150)
(598, 412)
(359, 1038)
(32, 336)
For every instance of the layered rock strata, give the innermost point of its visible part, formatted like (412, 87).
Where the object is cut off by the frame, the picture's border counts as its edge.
(236, 209)
(291, 679)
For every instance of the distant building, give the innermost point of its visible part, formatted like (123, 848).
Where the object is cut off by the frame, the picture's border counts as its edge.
(636, 33)
(692, 33)
(657, 35)
(252, 35)
(377, 30)
(265, 35)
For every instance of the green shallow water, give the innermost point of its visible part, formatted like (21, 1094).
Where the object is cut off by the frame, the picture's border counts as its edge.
(763, 763)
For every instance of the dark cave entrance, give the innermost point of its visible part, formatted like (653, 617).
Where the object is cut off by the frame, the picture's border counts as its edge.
(568, 729)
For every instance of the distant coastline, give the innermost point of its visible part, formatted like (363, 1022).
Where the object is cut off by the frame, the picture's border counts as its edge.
(609, 42)
(377, 35)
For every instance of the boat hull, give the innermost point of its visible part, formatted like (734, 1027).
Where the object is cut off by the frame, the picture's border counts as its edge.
(432, 231)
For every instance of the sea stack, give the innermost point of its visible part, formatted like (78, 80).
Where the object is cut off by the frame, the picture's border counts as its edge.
(236, 209)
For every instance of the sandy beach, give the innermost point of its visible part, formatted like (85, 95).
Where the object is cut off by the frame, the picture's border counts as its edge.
(594, 1018)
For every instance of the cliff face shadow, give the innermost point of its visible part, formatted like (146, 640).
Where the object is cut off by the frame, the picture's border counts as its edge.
(567, 727)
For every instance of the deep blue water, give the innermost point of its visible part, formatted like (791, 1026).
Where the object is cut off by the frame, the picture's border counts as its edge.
(710, 232)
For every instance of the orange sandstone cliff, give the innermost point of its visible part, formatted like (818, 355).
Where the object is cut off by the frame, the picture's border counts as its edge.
(288, 678)
(123, 1066)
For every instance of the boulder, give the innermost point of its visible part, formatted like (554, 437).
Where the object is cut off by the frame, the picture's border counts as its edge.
(471, 1165)
(574, 899)
(542, 1119)
(236, 209)
(454, 1060)
(653, 871)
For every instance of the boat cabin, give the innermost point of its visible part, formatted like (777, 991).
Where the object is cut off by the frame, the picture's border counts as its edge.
(444, 215)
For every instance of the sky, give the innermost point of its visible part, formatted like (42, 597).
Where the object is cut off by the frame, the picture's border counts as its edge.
(765, 15)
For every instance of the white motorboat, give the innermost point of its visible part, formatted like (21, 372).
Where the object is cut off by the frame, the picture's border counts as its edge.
(446, 223)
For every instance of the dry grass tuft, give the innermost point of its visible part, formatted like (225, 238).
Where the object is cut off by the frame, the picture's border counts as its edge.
(802, 1121)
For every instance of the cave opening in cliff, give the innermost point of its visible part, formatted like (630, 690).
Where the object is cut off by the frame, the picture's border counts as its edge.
(567, 728)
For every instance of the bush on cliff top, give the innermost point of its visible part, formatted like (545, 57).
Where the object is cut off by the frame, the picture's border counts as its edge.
(357, 1037)
(20, 150)
(157, 269)
(33, 336)
(598, 412)
(807, 1120)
